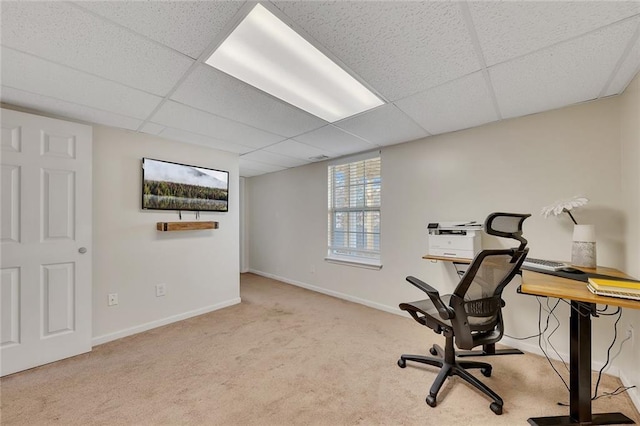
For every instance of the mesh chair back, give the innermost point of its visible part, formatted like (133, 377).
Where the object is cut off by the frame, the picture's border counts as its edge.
(491, 274)
(477, 300)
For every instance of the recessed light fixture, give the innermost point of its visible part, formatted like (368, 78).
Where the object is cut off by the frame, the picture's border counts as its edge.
(266, 53)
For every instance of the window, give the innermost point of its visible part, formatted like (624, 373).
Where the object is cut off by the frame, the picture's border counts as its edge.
(354, 212)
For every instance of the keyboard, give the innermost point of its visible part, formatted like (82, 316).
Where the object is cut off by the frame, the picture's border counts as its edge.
(547, 265)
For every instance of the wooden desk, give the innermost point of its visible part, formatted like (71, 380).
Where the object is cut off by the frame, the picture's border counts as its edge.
(582, 308)
(447, 259)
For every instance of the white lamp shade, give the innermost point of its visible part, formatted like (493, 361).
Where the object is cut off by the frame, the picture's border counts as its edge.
(584, 233)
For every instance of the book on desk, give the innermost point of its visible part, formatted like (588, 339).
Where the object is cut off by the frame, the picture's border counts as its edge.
(627, 289)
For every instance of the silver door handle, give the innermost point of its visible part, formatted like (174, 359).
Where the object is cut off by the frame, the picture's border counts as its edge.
(82, 250)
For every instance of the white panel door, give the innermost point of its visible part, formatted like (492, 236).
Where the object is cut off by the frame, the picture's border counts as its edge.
(45, 194)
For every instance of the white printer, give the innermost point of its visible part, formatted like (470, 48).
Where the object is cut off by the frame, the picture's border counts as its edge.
(462, 240)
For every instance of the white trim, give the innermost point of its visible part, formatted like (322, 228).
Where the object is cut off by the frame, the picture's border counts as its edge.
(535, 349)
(355, 261)
(159, 323)
(333, 293)
(507, 341)
(634, 393)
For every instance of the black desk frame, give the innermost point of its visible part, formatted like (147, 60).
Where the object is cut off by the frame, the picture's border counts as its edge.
(580, 376)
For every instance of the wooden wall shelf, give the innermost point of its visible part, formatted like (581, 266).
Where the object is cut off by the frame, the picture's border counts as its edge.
(185, 226)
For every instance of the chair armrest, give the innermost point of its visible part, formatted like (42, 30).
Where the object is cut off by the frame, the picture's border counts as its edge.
(446, 312)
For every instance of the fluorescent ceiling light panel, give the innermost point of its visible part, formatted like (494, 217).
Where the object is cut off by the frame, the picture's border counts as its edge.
(266, 53)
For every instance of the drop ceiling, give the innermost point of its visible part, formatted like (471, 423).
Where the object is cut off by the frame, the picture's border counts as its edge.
(438, 66)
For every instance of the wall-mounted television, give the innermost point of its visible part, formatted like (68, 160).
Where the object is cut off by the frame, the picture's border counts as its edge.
(174, 186)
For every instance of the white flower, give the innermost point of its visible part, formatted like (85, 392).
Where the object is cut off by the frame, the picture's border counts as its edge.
(564, 206)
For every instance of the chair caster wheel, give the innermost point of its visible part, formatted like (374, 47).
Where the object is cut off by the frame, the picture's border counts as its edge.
(486, 372)
(402, 363)
(433, 351)
(431, 401)
(496, 408)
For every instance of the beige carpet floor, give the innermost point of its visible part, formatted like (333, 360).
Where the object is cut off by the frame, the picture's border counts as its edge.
(284, 356)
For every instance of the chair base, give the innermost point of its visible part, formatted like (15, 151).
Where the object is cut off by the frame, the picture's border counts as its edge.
(449, 366)
(489, 350)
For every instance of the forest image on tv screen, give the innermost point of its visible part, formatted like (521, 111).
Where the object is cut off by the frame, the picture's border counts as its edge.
(171, 186)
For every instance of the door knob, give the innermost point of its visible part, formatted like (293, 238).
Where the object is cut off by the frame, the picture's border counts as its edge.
(82, 250)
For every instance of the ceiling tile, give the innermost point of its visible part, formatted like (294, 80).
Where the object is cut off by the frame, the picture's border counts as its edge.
(35, 75)
(209, 142)
(294, 149)
(456, 105)
(106, 62)
(510, 29)
(64, 34)
(385, 125)
(64, 109)
(173, 114)
(152, 128)
(258, 166)
(186, 26)
(247, 172)
(274, 159)
(561, 75)
(223, 95)
(399, 48)
(628, 69)
(334, 140)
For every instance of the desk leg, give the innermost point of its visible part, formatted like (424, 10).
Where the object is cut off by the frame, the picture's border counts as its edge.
(580, 377)
(580, 363)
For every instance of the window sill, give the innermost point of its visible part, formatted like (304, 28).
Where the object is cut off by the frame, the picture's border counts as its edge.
(358, 263)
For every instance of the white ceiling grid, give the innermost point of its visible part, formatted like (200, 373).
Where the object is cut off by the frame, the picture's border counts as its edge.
(24, 71)
(439, 66)
(566, 73)
(384, 125)
(218, 93)
(438, 109)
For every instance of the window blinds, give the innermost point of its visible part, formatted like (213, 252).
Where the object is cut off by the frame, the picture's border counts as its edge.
(354, 209)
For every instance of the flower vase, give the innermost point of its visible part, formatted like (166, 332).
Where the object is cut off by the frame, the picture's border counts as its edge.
(583, 251)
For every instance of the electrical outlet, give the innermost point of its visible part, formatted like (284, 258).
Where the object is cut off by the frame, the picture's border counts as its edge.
(161, 290)
(113, 299)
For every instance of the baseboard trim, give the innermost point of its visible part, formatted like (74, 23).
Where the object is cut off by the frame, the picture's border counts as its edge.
(535, 349)
(596, 365)
(333, 293)
(508, 341)
(613, 370)
(99, 340)
(634, 393)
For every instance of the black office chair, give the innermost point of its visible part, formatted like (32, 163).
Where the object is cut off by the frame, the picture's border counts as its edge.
(472, 315)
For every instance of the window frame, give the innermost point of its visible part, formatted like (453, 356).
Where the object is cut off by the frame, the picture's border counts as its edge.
(370, 262)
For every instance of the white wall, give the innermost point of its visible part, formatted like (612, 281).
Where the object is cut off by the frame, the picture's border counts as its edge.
(200, 268)
(244, 229)
(517, 165)
(630, 138)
